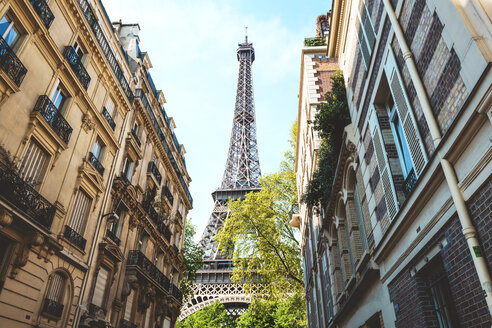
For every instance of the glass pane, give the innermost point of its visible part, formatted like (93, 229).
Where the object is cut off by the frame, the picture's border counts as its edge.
(96, 150)
(4, 25)
(11, 36)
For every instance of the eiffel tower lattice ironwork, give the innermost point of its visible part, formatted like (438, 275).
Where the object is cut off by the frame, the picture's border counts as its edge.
(242, 175)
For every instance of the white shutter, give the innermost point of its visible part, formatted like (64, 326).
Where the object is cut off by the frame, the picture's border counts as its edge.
(55, 293)
(34, 163)
(167, 323)
(405, 113)
(110, 106)
(147, 318)
(383, 165)
(100, 288)
(80, 212)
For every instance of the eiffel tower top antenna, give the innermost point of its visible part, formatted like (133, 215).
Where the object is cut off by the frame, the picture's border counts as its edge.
(246, 34)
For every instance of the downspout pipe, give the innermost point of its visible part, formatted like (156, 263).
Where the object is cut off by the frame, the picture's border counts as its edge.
(449, 174)
(100, 220)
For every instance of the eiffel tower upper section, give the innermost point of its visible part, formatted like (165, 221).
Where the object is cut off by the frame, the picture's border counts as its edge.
(242, 172)
(243, 166)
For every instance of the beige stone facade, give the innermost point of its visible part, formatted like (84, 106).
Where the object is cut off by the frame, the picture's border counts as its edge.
(93, 183)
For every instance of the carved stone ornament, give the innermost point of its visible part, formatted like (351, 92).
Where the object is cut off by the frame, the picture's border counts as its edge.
(147, 294)
(33, 239)
(131, 282)
(87, 123)
(5, 218)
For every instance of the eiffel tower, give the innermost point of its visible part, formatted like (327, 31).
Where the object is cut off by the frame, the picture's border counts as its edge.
(241, 176)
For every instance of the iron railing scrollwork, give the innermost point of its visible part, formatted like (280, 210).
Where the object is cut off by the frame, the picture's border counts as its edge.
(44, 12)
(25, 198)
(53, 117)
(152, 168)
(108, 118)
(111, 235)
(176, 293)
(409, 183)
(52, 308)
(101, 39)
(95, 162)
(11, 64)
(140, 94)
(168, 194)
(138, 259)
(78, 68)
(74, 237)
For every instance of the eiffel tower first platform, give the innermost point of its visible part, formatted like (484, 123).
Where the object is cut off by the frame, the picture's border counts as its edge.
(241, 176)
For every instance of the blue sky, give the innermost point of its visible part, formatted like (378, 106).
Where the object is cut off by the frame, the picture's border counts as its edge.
(192, 46)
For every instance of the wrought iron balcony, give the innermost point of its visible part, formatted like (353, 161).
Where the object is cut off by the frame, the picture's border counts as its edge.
(152, 168)
(111, 235)
(74, 237)
(127, 324)
(44, 12)
(167, 193)
(11, 64)
(139, 260)
(25, 198)
(108, 118)
(135, 136)
(52, 308)
(54, 118)
(73, 59)
(409, 183)
(95, 162)
(101, 39)
(149, 208)
(176, 293)
(140, 94)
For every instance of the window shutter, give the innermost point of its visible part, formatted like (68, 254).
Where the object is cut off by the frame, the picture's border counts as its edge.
(55, 293)
(34, 163)
(100, 288)
(383, 165)
(167, 323)
(80, 212)
(129, 304)
(405, 113)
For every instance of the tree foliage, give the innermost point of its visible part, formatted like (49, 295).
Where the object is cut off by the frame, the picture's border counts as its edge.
(193, 258)
(330, 120)
(212, 316)
(257, 234)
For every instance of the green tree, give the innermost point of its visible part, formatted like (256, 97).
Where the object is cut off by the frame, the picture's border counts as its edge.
(330, 121)
(212, 316)
(291, 313)
(193, 258)
(257, 234)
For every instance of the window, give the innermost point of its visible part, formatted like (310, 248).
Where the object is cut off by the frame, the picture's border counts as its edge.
(53, 304)
(400, 142)
(59, 97)
(128, 168)
(360, 217)
(98, 297)
(142, 242)
(366, 34)
(136, 129)
(97, 149)
(80, 214)
(115, 226)
(129, 305)
(159, 259)
(34, 164)
(166, 323)
(109, 106)
(327, 286)
(78, 51)
(5, 253)
(440, 294)
(8, 30)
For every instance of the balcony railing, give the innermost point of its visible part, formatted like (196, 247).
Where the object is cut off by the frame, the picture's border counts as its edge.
(168, 194)
(52, 308)
(138, 259)
(73, 59)
(140, 94)
(135, 136)
(127, 324)
(95, 162)
(54, 118)
(101, 39)
(176, 293)
(409, 183)
(44, 12)
(152, 168)
(314, 42)
(108, 118)
(10, 64)
(111, 235)
(25, 198)
(74, 237)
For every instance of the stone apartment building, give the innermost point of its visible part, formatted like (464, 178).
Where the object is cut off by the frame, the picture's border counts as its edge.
(93, 182)
(405, 239)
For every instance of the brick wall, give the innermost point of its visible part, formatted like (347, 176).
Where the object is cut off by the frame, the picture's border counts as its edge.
(409, 293)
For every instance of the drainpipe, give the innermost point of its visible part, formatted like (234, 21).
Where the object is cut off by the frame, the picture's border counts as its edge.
(449, 174)
(92, 251)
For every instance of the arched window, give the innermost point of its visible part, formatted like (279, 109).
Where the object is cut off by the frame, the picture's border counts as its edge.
(57, 297)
